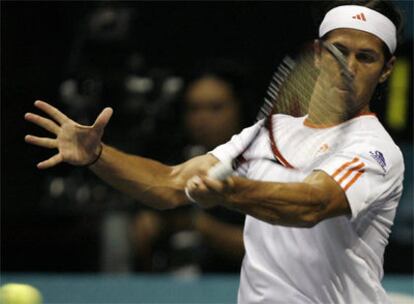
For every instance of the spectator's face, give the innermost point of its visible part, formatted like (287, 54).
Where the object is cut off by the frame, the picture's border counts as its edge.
(366, 62)
(212, 114)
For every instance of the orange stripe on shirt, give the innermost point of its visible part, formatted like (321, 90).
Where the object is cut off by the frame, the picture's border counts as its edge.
(352, 181)
(347, 164)
(360, 166)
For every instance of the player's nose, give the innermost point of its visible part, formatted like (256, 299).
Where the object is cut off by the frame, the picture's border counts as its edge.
(352, 65)
(348, 73)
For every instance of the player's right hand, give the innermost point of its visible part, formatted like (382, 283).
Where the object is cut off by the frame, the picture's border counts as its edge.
(76, 144)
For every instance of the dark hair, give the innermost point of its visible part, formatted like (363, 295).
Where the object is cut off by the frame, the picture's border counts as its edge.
(385, 7)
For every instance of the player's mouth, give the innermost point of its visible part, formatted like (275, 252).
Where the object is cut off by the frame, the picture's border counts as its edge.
(345, 88)
(342, 89)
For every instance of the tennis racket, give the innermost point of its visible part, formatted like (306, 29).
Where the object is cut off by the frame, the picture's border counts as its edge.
(298, 80)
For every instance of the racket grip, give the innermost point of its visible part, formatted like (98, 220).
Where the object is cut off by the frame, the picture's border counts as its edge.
(221, 170)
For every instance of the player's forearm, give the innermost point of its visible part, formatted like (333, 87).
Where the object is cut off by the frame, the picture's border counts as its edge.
(287, 204)
(146, 180)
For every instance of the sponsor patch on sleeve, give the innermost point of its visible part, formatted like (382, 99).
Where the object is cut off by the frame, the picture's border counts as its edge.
(380, 159)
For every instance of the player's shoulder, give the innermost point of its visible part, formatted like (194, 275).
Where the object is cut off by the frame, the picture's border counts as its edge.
(368, 137)
(368, 130)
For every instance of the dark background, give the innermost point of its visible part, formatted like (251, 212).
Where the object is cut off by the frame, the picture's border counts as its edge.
(40, 47)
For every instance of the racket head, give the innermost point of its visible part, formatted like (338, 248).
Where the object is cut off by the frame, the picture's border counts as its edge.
(316, 83)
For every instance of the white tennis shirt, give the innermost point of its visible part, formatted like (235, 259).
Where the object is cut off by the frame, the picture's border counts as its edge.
(339, 260)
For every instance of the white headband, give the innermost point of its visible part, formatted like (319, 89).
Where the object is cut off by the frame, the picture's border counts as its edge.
(360, 18)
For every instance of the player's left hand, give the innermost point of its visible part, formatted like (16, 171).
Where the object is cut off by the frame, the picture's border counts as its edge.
(209, 192)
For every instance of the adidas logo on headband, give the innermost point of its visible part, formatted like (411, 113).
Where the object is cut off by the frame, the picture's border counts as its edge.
(359, 17)
(372, 22)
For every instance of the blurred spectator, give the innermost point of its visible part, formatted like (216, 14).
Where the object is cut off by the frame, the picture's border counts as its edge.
(190, 240)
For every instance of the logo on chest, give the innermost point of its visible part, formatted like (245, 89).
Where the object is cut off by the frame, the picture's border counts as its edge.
(323, 149)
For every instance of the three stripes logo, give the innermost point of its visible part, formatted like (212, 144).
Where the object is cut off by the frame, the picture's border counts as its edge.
(360, 17)
(347, 174)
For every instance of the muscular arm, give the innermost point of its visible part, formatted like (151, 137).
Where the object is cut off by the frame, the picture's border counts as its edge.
(151, 182)
(301, 204)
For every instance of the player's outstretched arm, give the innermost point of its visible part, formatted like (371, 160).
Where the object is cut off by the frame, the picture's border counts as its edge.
(151, 182)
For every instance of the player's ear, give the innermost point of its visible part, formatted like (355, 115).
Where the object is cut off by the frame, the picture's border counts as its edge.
(317, 52)
(386, 71)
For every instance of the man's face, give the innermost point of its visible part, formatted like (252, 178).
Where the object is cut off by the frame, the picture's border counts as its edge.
(366, 62)
(212, 113)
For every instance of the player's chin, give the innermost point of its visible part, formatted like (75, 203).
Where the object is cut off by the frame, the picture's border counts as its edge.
(340, 97)
(345, 96)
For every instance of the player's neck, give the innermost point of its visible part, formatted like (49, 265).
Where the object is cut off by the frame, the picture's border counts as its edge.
(316, 121)
(324, 121)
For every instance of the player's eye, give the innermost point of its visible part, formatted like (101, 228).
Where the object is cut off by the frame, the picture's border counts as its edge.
(366, 57)
(342, 49)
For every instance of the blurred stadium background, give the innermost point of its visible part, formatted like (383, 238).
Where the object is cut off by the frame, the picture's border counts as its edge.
(64, 231)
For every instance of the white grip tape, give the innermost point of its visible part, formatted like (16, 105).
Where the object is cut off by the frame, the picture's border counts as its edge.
(221, 171)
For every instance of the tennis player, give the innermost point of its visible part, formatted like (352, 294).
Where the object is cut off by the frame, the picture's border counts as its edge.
(317, 225)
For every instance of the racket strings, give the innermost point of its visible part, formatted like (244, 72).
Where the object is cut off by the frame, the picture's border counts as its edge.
(292, 93)
(293, 87)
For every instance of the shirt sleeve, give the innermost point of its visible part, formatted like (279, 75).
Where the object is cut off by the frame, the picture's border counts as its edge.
(230, 150)
(368, 175)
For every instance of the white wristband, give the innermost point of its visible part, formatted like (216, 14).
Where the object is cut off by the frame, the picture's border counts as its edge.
(187, 193)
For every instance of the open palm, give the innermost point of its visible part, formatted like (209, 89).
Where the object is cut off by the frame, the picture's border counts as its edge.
(76, 144)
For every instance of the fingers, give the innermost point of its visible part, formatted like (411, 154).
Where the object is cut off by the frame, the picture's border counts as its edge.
(53, 161)
(103, 118)
(51, 111)
(41, 141)
(42, 122)
(204, 191)
(204, 184)
(213, 184)
(194, 182)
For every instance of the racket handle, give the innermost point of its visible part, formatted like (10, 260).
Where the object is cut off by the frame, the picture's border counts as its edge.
(221, 170)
